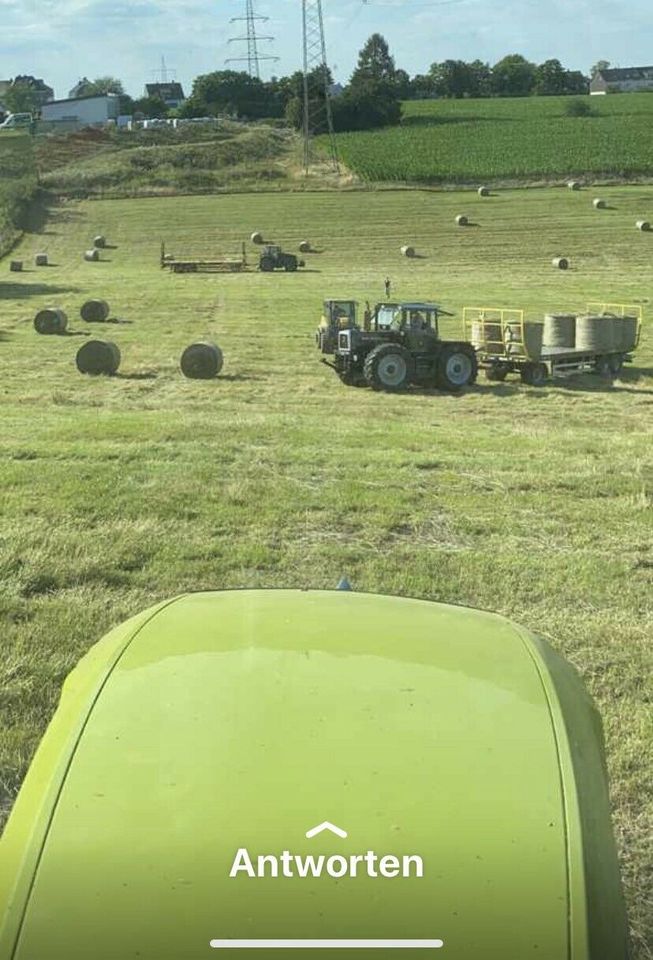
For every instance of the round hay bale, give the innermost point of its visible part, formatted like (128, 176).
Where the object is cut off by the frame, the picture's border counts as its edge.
(50, 320)
(530, 345)
(559, 330)
(98, 356)
(561, 263)
(484, 191)
(16, 266)
(625, 333)
(462, 220)
(95, 311)
(99, 242)
(407, 251)
(41, 259)
(643, 225)
(256, 237)
(202, 360)
(305, 246)
(574, 184)
(599, 204)
(92, 255)
(595, 334)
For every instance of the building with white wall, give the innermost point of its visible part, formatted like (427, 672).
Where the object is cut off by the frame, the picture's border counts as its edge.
(83, 110)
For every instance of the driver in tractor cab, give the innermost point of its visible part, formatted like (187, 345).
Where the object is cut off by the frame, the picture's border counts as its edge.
(416, 320)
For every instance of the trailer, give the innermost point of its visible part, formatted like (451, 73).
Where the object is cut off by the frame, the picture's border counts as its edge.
(505, 343)
(220, 264)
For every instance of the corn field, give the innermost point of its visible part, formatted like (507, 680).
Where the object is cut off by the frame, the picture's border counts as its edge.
(460, 141)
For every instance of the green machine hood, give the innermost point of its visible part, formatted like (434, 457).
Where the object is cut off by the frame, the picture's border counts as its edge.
(246, 773)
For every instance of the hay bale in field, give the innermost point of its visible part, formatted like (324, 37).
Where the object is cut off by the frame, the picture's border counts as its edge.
(16, 266)
(559, 330)
(407, 251)
(643, 225)
(599, 204)
(94, 311)
(484, 191)
(92, 255)
(99, 242)
(50, 320)
(561, 263)
(97, 357)
(596, 334)
(202, 360)
(41, 259)
(573, 184)
(305, 246)
(462, 220)
(256, 237)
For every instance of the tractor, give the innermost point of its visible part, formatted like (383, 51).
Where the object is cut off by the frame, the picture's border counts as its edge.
(398, 345)
(273, 258)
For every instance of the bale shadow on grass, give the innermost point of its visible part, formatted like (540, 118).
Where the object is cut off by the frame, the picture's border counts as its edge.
(21, 291)
(237, 377)
(149, 375)
(74, 333)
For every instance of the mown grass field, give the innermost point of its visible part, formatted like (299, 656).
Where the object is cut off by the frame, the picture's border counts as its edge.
(462, 141)
(537, 503)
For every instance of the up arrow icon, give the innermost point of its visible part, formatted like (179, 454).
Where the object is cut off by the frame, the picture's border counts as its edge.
(325, 826)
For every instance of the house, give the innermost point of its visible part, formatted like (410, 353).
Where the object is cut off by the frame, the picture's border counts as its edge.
(45, 93)
(172, 94)
(86, 111)
(622, 80)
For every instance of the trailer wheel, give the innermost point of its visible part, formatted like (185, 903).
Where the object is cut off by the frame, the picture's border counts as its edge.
(603, 366)
(616, 363)
(456, 366)
(266, 264)
(534, 374)
(498, 372)
(389, 367)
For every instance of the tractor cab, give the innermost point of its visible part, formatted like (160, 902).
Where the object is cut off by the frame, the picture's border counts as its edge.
(337, 315)
(406, 317)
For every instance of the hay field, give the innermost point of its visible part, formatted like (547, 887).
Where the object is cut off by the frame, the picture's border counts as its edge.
(537, 503)
(460, 141)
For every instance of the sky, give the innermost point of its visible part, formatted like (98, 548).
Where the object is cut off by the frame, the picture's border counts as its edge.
(64, 40)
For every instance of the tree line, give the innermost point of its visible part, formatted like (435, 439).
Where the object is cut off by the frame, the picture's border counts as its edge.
(371, 98)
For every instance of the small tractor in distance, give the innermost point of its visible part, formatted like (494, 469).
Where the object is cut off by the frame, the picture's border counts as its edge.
(273, 258)
(398, 345)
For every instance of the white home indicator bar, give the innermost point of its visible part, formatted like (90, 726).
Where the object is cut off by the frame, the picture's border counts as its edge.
(326, 944)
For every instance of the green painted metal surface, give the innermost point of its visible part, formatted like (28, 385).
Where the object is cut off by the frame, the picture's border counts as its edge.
(238, 721)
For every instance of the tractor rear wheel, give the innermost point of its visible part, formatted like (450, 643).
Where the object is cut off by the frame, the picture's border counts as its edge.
(266, 264)
(456, 367)
(290, 266)
(389, 367)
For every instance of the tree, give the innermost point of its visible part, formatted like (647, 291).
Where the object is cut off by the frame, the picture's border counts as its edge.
(150, 107)
(402, 84)
(228, 91)
(374, 62)
(514, 76)
(480, 79)
(576, 82)
(422, 86)
(100, 87)
(599, 66)
(550, 79)
(451, 78)
(366, 105)
(22, 97)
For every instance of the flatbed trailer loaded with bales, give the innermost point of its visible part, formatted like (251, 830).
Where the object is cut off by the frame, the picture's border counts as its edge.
(219, 264)
(565, 344)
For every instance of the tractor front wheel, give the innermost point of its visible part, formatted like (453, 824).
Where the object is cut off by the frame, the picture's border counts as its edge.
(456, 367)
(266, 264)
(389, 367)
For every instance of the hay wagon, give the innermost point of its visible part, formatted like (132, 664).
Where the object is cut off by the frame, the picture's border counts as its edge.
(565, 344)
(223, 263)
